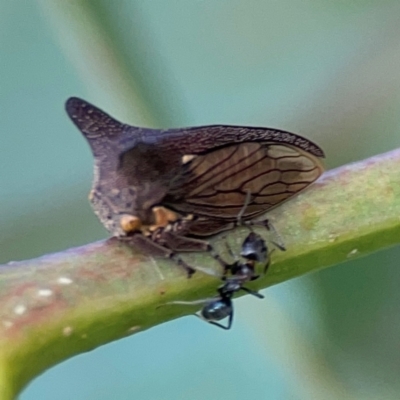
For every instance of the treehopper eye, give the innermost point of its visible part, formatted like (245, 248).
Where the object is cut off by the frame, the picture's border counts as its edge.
(199, 177)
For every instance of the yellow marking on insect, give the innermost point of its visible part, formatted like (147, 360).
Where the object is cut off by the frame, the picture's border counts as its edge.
(130, 223)
(189, 217)
(187, 158)
(163, 216)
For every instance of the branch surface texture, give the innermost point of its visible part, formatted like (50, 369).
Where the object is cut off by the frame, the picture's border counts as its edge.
(63, 304)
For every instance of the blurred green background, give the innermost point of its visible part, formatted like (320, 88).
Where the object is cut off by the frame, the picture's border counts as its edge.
(328, 70)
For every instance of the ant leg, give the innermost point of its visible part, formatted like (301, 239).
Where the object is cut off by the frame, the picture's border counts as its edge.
(229, 249)
(226, 266)
(182, 243)
(278, 245)
(268, 262)
(149, 246)
(226, 327)
(252, 292)
(189, 270)
(179, 243)
(270, 227)
(201, 302)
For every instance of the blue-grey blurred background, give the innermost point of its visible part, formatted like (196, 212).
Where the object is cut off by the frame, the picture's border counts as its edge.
(329, 70)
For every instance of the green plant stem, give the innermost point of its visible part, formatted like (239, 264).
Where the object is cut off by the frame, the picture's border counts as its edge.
(67, 303)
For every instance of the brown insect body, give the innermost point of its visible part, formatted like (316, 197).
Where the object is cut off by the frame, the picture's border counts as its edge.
(174, 184)
(130, 175)
(205, 171)
(215, 184)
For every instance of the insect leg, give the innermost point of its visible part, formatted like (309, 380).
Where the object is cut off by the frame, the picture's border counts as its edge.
(252, 292)
(226, 266)
(266, 223)
(179, 243)
(268, 263)
(226, 327)
(155, 249)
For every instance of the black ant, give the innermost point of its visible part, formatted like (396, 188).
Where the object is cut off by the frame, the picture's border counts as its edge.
(254, 250)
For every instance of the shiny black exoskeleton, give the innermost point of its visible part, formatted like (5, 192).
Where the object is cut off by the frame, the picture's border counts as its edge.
(254, 250)
(236, 275)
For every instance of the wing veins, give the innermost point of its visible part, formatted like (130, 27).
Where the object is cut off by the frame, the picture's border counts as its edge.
(240, 171)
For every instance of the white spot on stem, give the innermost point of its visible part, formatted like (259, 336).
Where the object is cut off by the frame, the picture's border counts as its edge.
(7, 324)
(19, 309)
(67, 331)
(45, 292)
(63, 280)
(332, 238)
(352, 253)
